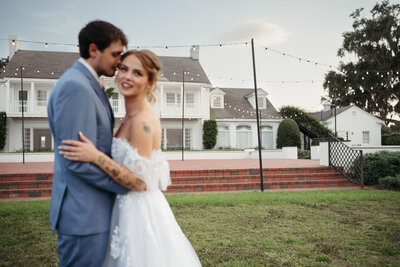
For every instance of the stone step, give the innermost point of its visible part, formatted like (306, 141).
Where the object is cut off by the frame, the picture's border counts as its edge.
(251, 186)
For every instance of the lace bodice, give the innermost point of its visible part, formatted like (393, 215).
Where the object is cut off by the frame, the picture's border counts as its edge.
(154, 172)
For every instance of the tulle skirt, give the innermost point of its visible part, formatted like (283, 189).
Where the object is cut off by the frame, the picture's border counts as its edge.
(144, 232)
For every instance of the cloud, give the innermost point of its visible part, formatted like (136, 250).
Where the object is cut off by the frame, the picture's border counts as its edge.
(263, 32)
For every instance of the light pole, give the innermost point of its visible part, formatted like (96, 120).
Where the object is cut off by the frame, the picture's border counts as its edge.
(258, 120)
(22, 110)
(183, 113)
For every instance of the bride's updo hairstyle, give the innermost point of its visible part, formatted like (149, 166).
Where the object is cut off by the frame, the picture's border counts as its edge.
(152, 66)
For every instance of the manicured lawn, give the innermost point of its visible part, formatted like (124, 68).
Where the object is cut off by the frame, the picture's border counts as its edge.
(307, 228)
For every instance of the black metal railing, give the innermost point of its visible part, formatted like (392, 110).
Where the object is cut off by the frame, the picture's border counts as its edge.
(346, 160)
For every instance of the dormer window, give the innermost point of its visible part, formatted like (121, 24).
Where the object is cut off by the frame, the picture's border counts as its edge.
(217, 101)
(261, 102)
(217, 98)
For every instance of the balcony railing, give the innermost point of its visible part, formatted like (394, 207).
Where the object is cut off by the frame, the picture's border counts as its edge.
(39, 108)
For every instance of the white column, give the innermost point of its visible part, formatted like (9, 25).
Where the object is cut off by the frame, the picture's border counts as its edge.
(324, 153)
(32, 108)
(161, 98)
(31, 138)
(200, 103)
(8, 97)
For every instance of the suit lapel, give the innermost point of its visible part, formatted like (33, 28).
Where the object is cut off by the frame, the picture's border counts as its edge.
(98, 90)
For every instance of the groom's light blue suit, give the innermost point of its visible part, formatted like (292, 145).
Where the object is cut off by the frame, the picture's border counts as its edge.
(82, 195)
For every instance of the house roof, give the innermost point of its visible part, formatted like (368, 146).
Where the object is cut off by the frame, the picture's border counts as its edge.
(326, 115)
(51, 65)
(237, 106)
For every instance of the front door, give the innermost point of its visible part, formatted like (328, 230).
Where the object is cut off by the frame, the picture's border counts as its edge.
(41, 140)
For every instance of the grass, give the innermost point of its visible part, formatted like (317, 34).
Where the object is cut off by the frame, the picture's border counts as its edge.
(304, 228)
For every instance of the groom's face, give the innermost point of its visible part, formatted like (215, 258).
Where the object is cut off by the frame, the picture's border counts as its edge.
(109, 59)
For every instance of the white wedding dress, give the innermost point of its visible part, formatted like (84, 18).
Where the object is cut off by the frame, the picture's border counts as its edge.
(144, 231)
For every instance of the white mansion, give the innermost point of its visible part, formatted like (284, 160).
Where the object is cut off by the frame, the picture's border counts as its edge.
(233, 109)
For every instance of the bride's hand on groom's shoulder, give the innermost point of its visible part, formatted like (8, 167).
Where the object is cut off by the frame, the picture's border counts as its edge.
(83, 150)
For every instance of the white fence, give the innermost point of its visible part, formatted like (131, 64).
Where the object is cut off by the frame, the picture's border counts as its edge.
(321, 152)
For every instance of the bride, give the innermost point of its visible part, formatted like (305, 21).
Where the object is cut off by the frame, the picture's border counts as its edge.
(143, 231)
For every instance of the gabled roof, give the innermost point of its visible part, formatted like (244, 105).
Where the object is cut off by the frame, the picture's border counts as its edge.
(236, 99)
(326, 115)
(51, 65)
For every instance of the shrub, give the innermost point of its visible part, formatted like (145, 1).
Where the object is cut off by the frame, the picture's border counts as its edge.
(303, 154)
(380, 164)
(209, 134)
(303, 118)
(390, 182)
(288, 134)
(392, 139)
(3, 125)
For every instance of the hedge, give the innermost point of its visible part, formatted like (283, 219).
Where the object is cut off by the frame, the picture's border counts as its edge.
(3, 125)
(288, 134)
(303, 118)
(210, 132)
(391, 139)
(380, 164)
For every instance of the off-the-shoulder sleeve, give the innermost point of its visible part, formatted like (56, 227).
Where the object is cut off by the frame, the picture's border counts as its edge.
(154, 172)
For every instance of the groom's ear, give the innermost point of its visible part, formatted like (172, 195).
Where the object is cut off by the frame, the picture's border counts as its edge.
(93, 50)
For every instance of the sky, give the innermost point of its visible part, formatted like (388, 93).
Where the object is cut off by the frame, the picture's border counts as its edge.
(307, 29)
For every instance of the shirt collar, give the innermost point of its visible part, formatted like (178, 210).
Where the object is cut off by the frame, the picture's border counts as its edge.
(91, 70)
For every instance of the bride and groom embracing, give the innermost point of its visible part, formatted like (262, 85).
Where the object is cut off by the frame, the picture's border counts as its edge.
(106, 203)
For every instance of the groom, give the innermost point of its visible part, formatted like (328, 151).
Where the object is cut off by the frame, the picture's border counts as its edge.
(82, 195)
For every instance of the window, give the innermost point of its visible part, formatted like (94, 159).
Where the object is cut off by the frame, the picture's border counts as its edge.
(173, 99)
(41, 98)
(170, 99)
(27, 139)
(261, 102)
(267, 140)
(365, 136)
(217, 101)
(115, 102)
(223, 138)
(188, 138)
(189, 101)
(243, 136)
(22, 97)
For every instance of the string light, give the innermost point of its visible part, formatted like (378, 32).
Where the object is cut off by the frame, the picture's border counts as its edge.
(166, 48)
(46, 45)
(13, 42)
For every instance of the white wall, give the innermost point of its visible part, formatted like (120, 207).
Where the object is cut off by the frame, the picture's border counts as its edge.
(354, 124)
(14, 134)
(253, 124)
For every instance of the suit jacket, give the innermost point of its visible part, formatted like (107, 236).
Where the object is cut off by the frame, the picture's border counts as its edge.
(82, 195)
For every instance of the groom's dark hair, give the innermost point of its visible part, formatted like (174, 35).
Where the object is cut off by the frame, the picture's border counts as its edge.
(100, 33)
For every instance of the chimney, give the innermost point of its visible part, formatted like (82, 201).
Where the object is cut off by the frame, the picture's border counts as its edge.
(194, 52)
(327, 106)
(14, 45)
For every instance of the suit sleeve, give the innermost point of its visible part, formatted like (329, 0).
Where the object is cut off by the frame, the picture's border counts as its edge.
(74, 112)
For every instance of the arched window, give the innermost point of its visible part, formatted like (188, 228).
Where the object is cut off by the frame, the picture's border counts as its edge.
(223, 137)
(243, 136)
(267, 137)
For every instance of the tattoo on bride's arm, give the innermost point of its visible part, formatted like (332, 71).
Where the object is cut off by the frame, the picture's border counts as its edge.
(147, 129)
(101, 160)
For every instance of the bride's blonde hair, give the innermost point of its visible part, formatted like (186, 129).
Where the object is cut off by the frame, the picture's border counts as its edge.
(152, 66)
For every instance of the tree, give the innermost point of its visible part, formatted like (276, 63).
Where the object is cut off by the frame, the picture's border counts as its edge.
(303, 118)
(210, 132)
(3, 63)
(288, 134)
(372, 82)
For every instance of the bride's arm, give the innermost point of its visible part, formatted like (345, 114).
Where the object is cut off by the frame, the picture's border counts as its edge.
(85, 151)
